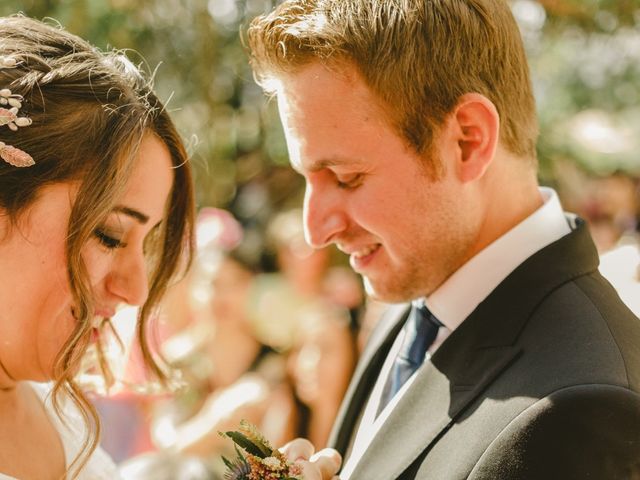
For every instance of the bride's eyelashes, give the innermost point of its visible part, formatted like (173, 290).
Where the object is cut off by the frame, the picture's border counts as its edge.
(108, 240)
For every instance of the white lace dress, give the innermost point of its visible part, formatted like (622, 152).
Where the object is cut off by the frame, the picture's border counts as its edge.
(100, 466)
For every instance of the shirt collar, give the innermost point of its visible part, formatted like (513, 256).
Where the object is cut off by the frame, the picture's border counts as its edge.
(461, 293)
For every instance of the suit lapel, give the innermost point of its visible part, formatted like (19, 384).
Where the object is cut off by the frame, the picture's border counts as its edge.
(426, 410)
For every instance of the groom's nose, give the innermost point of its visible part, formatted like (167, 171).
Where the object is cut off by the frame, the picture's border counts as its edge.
(324, 216)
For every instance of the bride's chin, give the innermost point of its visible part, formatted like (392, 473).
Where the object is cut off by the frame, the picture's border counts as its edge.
(7, 382)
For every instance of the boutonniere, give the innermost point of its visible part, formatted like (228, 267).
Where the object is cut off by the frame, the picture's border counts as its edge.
(256, 459)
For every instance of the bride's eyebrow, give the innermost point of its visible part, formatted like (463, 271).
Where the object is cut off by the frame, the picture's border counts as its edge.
(135, 214)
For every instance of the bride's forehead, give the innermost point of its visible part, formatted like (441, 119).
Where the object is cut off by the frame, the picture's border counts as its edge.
(151, 180)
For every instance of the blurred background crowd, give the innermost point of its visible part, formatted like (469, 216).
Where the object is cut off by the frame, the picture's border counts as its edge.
(264, 328)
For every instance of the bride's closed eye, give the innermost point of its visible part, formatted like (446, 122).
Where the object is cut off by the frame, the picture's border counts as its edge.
(108, 240)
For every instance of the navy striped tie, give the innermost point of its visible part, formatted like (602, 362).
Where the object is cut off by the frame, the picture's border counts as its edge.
(420, 330)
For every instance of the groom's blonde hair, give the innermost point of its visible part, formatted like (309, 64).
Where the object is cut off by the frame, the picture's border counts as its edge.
(418, 56)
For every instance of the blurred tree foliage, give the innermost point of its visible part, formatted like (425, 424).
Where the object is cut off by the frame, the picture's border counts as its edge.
(585, 59)
(585, 56)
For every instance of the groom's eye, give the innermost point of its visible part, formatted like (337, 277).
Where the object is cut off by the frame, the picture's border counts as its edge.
(349, 181)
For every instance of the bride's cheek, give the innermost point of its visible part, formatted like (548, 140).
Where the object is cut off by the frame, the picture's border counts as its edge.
(97, 262)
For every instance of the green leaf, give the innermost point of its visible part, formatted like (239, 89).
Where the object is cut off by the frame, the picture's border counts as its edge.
(227, 462)
(247, 444)
(253, 434)
(239, 453)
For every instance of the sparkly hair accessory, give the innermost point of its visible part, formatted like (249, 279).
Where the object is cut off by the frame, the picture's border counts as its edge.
(10, 105)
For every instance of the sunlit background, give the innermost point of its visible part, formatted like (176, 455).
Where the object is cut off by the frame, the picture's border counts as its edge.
(584, 54)
(585, 61)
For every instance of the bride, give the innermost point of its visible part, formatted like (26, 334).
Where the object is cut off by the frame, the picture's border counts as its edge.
(95, 211)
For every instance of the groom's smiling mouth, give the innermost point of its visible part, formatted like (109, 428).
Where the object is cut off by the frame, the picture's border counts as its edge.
(361, 257)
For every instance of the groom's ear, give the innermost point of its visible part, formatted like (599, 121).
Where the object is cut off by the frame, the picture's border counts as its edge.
(474, 129)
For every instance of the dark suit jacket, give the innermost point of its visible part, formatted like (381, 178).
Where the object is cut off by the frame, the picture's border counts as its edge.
(541, 381)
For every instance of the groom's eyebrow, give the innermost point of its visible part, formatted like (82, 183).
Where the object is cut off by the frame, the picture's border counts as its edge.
(135, 214)
(317, 165)
(325, 163)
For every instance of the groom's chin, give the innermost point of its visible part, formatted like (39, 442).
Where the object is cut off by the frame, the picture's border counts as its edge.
(381, 291)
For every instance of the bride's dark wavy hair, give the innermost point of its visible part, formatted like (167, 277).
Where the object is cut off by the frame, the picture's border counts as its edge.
(90, 112)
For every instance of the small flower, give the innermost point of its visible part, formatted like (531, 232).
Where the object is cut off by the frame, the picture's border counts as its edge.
(295, 471)
(256, 458)
(237, 471)
(272, 462)
(7, 116)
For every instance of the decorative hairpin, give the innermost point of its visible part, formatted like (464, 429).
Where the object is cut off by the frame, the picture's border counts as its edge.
(10, 105)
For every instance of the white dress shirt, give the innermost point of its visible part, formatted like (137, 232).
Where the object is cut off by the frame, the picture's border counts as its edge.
(492, 265)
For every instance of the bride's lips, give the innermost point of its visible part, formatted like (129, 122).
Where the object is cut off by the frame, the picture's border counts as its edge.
(101, 314)
(95, 326)
(105, 312)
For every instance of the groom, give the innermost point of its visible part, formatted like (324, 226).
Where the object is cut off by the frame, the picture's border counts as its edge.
(413, 123)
